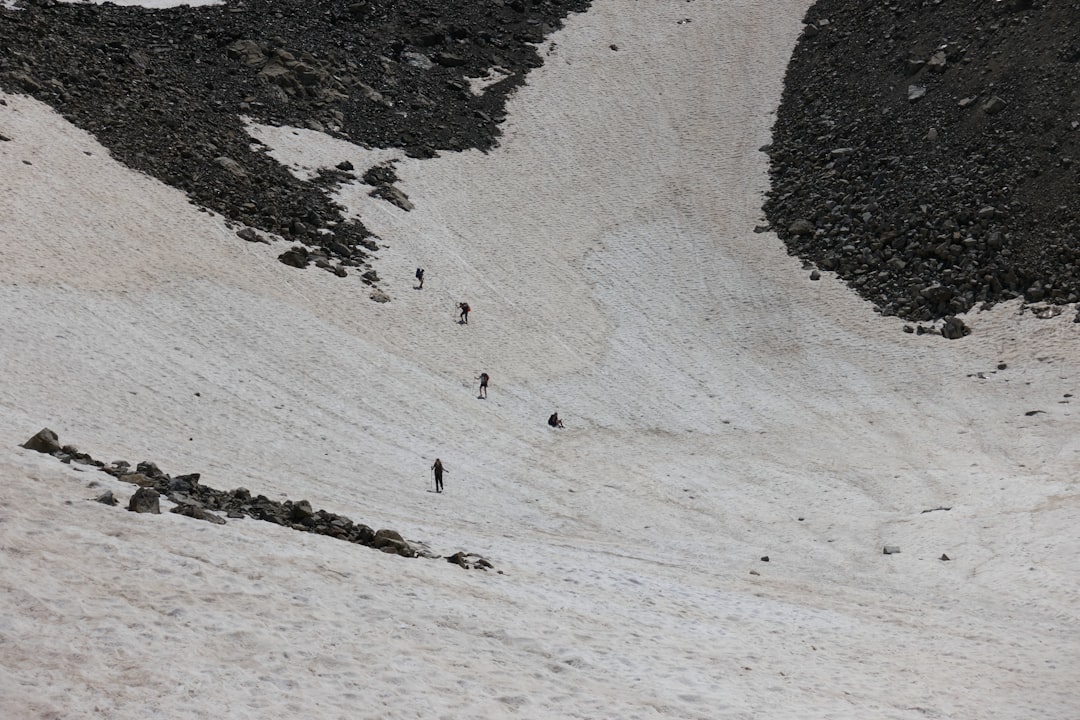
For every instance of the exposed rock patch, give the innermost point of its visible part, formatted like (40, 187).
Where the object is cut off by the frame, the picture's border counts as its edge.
(929, 153)
(168, 91)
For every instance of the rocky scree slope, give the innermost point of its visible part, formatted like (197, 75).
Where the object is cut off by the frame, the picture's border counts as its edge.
(167, 91)
(928, 152)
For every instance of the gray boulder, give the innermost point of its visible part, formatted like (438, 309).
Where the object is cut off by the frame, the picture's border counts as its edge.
(145, 500)
(46, 441)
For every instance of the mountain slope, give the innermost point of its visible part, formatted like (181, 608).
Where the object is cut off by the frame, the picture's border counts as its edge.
(720, 408)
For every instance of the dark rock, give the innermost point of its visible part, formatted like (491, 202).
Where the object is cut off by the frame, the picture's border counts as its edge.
(184, 483)
(251, 236)
(393, 195)
(450, 60)
(198, 513)
(954, 328)
(300, 511)
(45, 441)
(385, 536)
(993, 106)
(107, 498)
(468, 561)
(150, 470)
(297, 256)
(145, 500)
(391, 541)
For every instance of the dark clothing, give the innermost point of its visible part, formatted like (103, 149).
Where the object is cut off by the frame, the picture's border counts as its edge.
(483, 384)
(554, 421)
(464, 312)
(437, 468)
(420, 276)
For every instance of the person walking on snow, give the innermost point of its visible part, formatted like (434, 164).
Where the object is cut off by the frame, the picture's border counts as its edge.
(420, 278)
(438, 469)
(464, 307)
(483, 386)
(554, 420)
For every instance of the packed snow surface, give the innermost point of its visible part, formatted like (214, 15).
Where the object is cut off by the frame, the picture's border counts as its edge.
(720, 408)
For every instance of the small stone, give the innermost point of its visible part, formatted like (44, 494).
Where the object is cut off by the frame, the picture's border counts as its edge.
(801, 226)
(251, 236)
(994, 105)
(890, 550)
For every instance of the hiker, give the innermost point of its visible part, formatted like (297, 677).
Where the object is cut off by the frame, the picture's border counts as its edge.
(483, 385)
(420, 278)
(437, 468)
(464, 307)
(554, 420)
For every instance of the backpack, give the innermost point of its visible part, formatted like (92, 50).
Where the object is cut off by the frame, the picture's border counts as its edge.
(484, 378)
(419, 273)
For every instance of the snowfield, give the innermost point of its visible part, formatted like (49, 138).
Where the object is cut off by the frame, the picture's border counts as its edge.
(720, 408)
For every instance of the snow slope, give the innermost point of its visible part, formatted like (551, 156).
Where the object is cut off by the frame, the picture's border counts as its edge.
(720, 408)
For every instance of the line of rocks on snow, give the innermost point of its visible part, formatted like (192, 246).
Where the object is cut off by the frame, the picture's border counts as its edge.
(195, 500)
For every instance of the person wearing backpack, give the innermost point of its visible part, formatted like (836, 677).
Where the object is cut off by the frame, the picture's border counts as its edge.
(464, 307)
(483, 386)
(420, 278)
